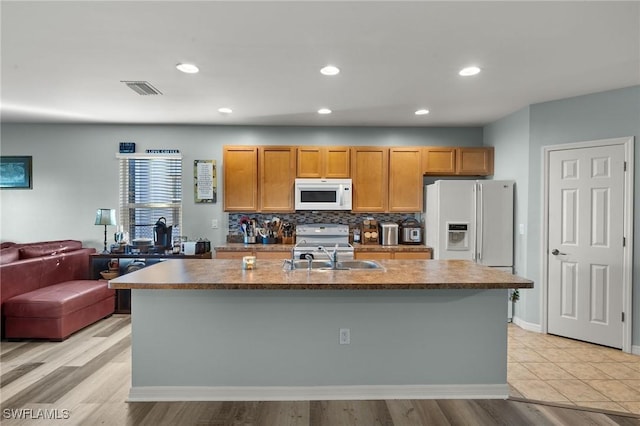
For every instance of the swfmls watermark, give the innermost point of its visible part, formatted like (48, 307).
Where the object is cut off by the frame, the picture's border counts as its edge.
(35, 414)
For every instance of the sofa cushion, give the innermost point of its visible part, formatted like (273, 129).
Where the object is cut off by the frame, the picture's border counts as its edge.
(7, 244)
(28, 251)
(8, 255)
(57, 300)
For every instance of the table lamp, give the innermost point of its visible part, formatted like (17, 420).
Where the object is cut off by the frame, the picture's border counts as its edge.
(105, 217)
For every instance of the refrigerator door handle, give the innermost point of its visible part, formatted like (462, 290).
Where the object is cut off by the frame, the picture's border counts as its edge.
(474, 246)
(479, 222)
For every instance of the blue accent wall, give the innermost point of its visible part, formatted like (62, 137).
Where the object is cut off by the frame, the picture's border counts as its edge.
(604, 115)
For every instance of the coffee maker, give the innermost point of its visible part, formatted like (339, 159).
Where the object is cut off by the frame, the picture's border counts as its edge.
(162, 235)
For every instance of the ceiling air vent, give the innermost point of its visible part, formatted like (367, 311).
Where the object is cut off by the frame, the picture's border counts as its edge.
(142, 88)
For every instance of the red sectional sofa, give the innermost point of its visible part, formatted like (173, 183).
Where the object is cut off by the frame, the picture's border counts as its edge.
(45, 290)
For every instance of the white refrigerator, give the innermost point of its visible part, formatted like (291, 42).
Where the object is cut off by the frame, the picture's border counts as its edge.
(471, 219)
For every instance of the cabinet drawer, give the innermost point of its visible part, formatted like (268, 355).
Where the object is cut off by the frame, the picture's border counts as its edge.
(412, 255)
(373, 255)
(273, 255)
(232, 254)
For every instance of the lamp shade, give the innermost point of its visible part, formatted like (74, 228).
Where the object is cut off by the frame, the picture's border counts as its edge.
(105, 217)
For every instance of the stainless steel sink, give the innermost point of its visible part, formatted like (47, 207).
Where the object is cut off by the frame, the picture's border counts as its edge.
(315, 264)
(360, 264)
(324, 265)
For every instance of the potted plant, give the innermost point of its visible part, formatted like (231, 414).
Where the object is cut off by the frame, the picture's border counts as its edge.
(514, 297)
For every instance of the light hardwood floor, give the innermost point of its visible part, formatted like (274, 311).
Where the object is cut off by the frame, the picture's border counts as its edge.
(85, 381)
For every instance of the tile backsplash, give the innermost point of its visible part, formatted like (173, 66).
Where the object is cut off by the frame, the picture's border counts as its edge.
(345, 218)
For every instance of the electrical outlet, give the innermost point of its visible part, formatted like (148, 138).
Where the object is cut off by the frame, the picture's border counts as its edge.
(214, 223)
(345, 336)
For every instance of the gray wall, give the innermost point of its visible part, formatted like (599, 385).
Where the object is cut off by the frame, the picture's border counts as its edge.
(603, 115)
(510, 137)
(75, 170)
(610, 114)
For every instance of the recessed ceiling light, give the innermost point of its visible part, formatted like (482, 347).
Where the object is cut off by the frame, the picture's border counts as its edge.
(224, 110)
(330, 70)
(465, 72)
(324, 111)
(188, 68)
(422, 112)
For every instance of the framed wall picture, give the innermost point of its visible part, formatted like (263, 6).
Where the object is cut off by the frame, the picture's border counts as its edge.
(15, 172)
(205, 187)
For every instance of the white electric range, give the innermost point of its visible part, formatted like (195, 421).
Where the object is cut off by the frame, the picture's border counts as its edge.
(328, 235)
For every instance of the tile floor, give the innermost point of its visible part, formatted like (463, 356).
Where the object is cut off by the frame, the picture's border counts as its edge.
(551, 368)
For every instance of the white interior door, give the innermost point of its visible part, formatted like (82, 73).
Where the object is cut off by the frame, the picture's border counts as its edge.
(586, 216)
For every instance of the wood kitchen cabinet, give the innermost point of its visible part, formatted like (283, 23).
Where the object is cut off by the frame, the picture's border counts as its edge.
(420, 255)
(372, 255)
(259, 254)
(277, 255)
(258, 178)
(474, 161)
(385, 179)
(461, 161)
(405, 179)
(233, 254)
(323, 162)
(439, 160)
(277, 168)
(396, 254)
(240, 182)
(369, 172)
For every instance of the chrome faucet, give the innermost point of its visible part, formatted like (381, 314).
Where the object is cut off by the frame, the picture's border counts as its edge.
(333, 256)
(292, 262)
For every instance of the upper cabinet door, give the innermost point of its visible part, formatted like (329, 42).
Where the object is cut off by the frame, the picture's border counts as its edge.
(310, 162)
(277, 167)
(240, 186)
(405, 179)
(449, 161)
(337, 162)
(439, 160)
(475, 161)
(369, 171)
(323, 162)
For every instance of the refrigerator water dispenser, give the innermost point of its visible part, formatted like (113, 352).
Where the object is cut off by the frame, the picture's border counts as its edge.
(457, 236)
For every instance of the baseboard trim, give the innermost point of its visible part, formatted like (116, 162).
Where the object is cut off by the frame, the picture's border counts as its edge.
(311, 393)
(529, 326)
(635, 349)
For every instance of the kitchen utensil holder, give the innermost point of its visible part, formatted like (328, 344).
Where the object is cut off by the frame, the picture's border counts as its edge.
(288, 240)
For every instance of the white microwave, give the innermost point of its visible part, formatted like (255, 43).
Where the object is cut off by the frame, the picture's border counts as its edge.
(323, 194)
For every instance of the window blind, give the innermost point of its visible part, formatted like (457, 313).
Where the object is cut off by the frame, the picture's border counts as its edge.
(150, 188)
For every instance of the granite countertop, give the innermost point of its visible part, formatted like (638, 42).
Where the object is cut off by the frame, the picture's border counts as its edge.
(288, 247)
(217, 274)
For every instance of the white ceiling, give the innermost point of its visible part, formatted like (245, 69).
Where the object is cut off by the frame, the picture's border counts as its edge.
(64, 61)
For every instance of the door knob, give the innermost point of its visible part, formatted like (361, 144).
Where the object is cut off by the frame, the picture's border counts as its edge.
(556, 252)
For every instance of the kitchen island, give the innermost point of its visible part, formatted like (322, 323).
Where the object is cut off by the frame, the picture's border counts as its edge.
(209, 330)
